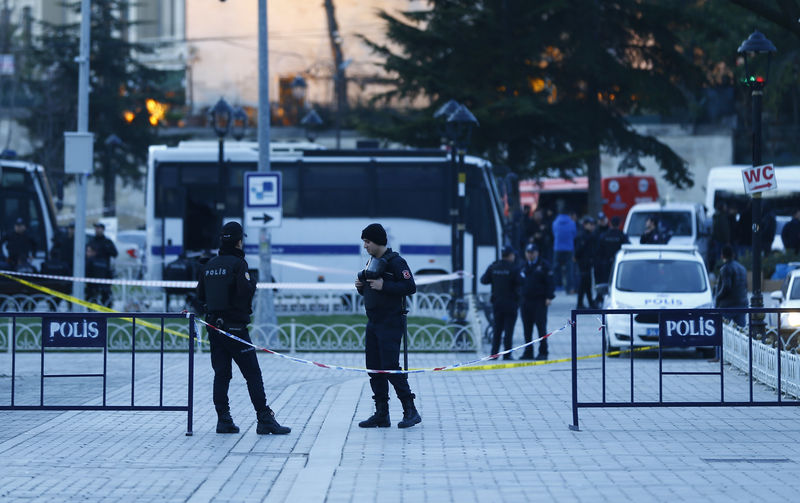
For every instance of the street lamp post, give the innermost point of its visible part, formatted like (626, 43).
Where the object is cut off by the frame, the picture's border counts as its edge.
(311, 123)
(299, 88)
(757, 51)
(447, 132)
(238, 123)
(220, 116)
(462, 122)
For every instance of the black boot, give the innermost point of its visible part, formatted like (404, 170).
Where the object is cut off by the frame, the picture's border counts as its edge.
(268, 424)
(225, 423)
(410, 414)
(381, 417)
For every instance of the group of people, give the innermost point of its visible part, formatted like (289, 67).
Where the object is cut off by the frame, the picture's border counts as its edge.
(579, 250)
(21, 248)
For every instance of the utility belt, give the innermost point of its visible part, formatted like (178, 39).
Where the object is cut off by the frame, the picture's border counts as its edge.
(219, 320)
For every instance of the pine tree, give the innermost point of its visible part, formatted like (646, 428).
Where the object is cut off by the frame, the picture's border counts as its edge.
(551, 82)
(120, 85)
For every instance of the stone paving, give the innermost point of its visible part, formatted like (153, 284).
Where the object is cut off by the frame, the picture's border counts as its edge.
(495, 435)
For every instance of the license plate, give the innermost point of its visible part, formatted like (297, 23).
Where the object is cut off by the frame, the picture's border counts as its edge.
(652, 331)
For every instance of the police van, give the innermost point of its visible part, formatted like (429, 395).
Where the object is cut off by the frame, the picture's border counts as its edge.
(653, 277)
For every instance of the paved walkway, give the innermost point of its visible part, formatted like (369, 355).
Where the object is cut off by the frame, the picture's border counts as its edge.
(498, 435)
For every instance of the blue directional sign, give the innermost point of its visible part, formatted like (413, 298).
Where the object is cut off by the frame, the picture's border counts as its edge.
(262, 199)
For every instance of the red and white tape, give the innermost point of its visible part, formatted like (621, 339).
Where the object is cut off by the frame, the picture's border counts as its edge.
(377, 371)
(189, 285)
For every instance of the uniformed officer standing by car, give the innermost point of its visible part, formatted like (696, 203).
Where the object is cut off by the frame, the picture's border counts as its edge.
(585, 257)
(538, 290)
(609, 243)
(226, 290)
(385, 283)
(506, 281)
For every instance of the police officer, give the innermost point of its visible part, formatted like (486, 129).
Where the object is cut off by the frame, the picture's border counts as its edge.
(538, 291)
(226, 290)
(385, 283)
(653, 233)
(21, 246)
(609, 243)
(585, 257)
(103, 246)
(506, 281)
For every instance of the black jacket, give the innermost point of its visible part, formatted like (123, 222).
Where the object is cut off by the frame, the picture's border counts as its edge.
(537, 281)
(505, 280)
(105, 249)
(20, 247)
(790, 235)
(732, 286)
(585, 250)
(398, 282)
(225, 287)
(609, 243)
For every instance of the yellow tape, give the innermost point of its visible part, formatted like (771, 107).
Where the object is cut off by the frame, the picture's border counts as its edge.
(93, 306)
(545, 362)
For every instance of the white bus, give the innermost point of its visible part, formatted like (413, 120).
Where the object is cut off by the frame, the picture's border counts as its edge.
(328, 196)
(25, 193)
(725, 185)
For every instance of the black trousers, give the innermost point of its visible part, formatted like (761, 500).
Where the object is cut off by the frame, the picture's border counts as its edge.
(585, 288)
(225, 350)
(534, 312)
(505, 316)
(382, 350)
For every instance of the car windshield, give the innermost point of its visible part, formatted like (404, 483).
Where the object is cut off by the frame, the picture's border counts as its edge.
(667, 276)
(795, 293)
(678, 223)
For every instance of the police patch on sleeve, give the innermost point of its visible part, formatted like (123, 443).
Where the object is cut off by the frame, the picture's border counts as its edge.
(406, 274)
(247, 276)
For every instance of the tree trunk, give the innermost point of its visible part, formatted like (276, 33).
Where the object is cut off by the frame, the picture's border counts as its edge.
(595, 203)
(339, 79)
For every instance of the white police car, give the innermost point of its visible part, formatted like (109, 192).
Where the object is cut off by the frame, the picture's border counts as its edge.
(653, 277)
(788, 297)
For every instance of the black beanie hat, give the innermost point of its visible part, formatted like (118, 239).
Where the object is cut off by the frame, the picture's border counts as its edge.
(375, 233)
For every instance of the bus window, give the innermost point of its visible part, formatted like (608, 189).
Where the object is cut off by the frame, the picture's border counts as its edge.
(290, 188)
(411, 192)
(340, 192)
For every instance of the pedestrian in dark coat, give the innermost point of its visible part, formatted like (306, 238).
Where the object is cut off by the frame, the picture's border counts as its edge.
(506, 281)
(538, 291)
(585, 257)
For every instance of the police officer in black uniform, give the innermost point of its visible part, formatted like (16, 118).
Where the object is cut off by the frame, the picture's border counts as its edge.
(506, 281)
(538, 291)
(608, 244)
(21, 246)
(385, 283)
(585, 257)
(226, 290)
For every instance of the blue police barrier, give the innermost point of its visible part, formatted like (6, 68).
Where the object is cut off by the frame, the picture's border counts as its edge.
(681, 328)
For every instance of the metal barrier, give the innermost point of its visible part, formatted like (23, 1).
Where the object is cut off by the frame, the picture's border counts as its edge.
(683, 328)
(88, 332)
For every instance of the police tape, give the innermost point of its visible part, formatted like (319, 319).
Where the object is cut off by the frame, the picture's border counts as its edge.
(91, 305)
(190, 285)
(455, 366)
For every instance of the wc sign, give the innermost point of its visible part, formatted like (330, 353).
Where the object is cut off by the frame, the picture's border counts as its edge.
(72, 332)
(686, 329)
(759, 178)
